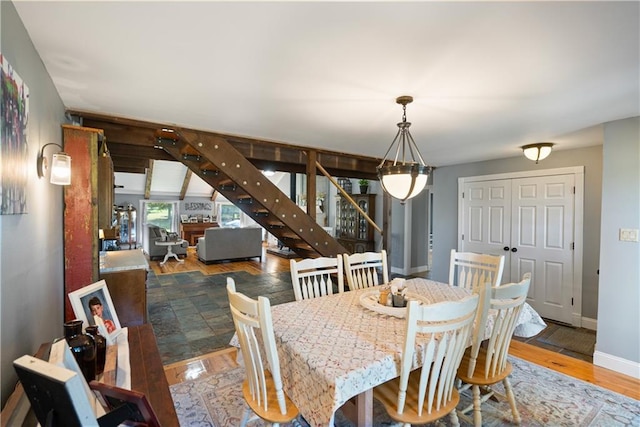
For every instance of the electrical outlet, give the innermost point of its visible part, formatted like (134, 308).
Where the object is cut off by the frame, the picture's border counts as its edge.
(629, 234)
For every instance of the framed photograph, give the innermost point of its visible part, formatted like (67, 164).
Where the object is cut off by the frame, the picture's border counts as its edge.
(184, 218)
(193, 219)
(133, 404)
(93, 305)
(61, 356)
(206, 219)
(56, 394)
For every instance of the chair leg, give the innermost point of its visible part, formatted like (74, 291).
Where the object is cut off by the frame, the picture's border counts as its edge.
(512, 400)
(453, 416)
(477, 414)
(246, 416)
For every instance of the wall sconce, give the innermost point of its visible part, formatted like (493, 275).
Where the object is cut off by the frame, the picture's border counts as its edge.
(60, 166)
(404, 179)
(538, 151)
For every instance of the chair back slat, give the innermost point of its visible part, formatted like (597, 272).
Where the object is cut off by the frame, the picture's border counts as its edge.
(506, 304)
(254, 326)
(470, 270)
(314, 277)
(447, 327)
(362, 269)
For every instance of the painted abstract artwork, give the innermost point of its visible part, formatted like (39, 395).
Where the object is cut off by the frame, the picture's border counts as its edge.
(13, 142)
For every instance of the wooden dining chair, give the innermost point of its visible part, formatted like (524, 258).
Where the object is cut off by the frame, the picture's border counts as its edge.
(362, 269)
(428, 393)
(262, 388)
(485, 365)
(469, 270)
(315, 277)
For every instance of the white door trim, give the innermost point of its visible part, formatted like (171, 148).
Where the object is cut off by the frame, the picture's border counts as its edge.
(578, 171)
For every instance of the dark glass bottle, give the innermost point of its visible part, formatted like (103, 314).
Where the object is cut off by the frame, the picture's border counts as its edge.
(83, 348)
(101, 347)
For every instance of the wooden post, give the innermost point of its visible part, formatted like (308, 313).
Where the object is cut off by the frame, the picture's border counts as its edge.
(311, 183)
(81, 256)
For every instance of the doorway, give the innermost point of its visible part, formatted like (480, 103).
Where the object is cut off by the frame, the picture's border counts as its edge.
(534, 219)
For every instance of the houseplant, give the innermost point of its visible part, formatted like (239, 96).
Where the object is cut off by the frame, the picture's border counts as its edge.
(364, 186)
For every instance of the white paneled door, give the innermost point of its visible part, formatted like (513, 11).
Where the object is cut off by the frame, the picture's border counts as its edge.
(530, 221)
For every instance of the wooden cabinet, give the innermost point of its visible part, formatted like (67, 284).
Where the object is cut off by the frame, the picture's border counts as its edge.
(125, 273)
(353, 231)
(106, 181)
(190, 231)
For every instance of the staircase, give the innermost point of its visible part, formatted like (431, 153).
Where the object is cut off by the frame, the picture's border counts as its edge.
(224, 168)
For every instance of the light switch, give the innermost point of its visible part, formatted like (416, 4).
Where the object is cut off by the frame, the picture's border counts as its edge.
(629, 234)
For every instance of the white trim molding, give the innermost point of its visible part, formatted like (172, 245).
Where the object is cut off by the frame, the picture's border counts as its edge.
(618, 364)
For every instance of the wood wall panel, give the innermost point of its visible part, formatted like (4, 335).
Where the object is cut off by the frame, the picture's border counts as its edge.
(80, 212)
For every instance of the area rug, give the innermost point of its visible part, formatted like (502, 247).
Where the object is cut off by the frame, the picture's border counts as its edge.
(578, 340)
(545, 398)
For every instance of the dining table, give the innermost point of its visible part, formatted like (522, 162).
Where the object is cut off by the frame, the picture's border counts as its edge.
(335, 349)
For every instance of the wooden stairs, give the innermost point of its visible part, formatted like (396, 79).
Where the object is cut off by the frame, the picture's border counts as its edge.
(223, 167)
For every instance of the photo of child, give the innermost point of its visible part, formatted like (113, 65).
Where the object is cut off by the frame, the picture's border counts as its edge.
(96, 308)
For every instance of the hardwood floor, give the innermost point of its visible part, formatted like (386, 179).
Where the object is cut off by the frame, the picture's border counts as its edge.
(225, 359)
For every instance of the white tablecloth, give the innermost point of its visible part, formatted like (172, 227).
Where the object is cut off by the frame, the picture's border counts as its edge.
(332, 348)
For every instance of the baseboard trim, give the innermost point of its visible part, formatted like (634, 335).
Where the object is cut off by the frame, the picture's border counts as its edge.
(588, 323)
(412, 270)
(419, 269)
(398, 270)
(618, 364)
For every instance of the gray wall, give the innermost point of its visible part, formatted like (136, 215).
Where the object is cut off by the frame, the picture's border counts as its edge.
(619, 303)
(31, 253)
(445, 210)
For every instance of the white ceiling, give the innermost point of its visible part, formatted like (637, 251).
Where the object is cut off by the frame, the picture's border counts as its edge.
(487, 77)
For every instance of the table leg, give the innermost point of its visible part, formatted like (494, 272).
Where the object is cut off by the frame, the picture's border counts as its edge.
(365, 408)
(170, 253)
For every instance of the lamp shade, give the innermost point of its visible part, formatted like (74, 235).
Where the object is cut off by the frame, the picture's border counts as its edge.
(536, 152)
(403, 178)
(404, 181)
(61, 169)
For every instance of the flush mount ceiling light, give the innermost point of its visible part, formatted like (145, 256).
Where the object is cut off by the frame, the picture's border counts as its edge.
(60, 166)
(538, 151)
(403, 178)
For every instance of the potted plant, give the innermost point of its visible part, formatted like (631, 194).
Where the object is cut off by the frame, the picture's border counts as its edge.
(364, 186)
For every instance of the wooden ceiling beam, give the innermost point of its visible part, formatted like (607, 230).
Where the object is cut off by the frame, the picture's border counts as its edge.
(147, 184)
(185, 183)
(137, 138)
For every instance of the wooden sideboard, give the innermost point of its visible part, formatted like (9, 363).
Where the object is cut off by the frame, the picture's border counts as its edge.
(190, 231)
(147, 376)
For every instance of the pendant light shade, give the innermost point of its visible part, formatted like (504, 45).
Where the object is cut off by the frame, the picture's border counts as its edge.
(537, 151)
(403, 178)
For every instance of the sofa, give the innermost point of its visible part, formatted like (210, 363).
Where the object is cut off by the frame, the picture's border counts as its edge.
(220, 244)
(157, 234)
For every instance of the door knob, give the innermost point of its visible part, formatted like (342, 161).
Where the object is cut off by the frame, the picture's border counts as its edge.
(514, 249)
(506, 248)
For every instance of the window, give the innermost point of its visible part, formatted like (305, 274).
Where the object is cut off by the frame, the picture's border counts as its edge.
(229, 215)
(162, 214)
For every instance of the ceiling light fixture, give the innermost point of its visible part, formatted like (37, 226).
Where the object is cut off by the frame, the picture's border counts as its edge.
(60, 166)
(538, 151)
(403, 179)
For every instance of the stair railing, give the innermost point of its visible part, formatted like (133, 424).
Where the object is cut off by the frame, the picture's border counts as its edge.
(349, 198)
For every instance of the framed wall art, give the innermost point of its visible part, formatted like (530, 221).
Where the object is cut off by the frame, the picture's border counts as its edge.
(13, 141)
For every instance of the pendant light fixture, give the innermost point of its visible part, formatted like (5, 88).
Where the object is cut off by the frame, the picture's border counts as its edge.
(538, 151)
(403, 178)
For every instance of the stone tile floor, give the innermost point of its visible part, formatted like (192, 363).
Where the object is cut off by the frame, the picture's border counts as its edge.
(190, 312)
